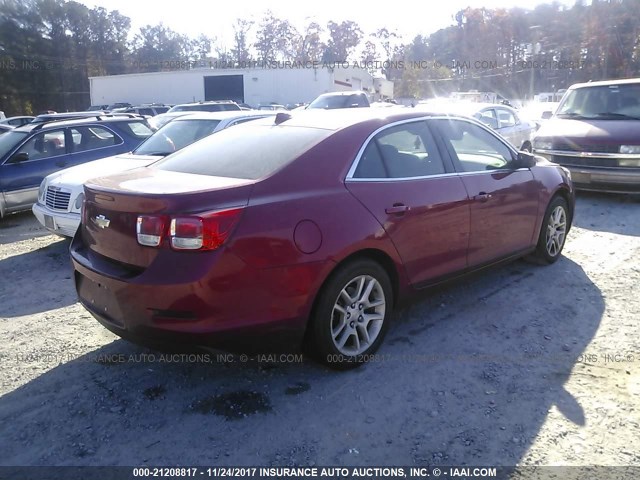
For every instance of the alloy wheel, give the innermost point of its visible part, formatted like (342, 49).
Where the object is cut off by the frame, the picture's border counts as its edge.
(358, 315)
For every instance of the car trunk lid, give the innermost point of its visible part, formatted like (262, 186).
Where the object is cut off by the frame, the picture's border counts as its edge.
(113, 204)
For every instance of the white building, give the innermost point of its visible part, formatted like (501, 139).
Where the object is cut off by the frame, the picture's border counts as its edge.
(254, 86)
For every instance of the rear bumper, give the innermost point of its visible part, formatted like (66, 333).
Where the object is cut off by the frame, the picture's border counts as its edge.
(60, 223)
(232, 307)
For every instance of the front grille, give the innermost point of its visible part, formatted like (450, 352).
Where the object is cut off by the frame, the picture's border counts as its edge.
(57, 199)
(586, 161)
(569, 146)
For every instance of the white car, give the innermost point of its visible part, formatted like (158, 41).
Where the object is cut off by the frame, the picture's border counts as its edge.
(61, 194)
(501, 118)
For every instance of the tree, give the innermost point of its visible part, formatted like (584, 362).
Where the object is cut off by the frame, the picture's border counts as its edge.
(309, 46)
(240, 51)
(344, 37)
(275, 39)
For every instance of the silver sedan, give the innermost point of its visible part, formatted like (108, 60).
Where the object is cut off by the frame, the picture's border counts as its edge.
(503, 119)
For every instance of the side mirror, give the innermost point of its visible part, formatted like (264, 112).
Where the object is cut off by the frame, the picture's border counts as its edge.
(547, 114)
(525, 160)
(19, 157)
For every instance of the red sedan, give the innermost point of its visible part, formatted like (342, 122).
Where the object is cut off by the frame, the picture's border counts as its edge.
(309, 229)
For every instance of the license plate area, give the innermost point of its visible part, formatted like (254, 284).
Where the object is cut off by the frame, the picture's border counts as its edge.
(98, 298)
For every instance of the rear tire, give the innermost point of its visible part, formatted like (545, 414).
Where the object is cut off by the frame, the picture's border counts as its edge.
(553, 232)
(352, 315)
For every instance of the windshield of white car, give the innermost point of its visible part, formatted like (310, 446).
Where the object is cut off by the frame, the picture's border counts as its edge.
(175, 136)
(9, 140)
(605, 102)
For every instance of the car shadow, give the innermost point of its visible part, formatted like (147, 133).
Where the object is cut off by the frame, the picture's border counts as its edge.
(20, 226)
(37, 281)
(603, 212)
(466, 376)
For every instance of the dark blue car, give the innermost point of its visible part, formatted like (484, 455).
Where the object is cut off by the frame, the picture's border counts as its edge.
(30, 153)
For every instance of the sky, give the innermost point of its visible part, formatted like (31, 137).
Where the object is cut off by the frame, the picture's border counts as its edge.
(215, 19)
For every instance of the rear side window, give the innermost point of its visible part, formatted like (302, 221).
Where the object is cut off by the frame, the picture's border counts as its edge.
(137, 129)
(403, 151)
(92, 138)
(250, 152)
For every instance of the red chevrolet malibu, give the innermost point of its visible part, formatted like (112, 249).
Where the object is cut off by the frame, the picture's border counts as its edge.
(309, 229)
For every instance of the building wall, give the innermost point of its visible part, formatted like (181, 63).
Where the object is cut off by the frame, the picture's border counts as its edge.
(261, 86)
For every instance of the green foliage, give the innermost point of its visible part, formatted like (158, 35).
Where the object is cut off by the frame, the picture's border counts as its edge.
(50, 48)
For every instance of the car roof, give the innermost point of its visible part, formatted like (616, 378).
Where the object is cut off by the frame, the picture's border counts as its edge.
(604, 83)
(208, 102)
(466, 108)
(342, 93)
(78, 121)
(338, 119)
(224, 115)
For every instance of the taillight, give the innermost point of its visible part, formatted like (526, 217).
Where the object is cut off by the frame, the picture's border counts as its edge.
(203, 232)
(150, 230)
(206, 231)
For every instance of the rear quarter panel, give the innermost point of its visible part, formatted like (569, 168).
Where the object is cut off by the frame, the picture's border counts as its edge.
(312, 190)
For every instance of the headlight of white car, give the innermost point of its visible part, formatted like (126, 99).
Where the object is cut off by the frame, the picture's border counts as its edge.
(78, 203)
(42, 190)
(630, 149)
(542, 144)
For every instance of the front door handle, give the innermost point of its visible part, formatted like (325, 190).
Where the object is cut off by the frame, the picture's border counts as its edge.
(482, 197)
(61, 164)
(397, 209)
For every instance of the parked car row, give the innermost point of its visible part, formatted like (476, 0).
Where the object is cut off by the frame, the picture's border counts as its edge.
(35, 150)
(306, 228)
(61, 194)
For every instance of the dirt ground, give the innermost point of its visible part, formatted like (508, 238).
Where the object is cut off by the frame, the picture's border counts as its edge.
(522, 365)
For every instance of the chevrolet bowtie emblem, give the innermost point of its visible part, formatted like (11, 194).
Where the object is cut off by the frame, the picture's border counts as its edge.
(101, 221)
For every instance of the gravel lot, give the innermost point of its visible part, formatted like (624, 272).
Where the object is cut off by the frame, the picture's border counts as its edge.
(522, 365)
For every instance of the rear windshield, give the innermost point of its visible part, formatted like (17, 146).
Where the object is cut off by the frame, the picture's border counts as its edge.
(175, 136)
(248, 151)
(136, 129)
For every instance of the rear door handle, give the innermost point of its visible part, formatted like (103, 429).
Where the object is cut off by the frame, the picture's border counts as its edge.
(398, 208)
(482, 196)
(61, 164)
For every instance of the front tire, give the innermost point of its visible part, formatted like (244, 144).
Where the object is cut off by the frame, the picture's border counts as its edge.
(351, 315)
(553, 233)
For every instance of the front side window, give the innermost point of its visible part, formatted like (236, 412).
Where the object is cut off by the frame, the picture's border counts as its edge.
(475, 148)
(44, 145)
(9, 140)
(403, 151)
